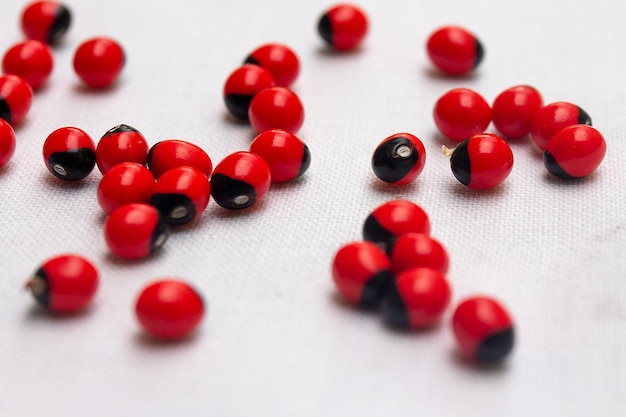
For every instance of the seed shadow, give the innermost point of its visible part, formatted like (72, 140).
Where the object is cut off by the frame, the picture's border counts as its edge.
(497, 368)
(147, 341)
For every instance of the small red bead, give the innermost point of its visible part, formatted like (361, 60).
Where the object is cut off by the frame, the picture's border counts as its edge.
(575, 152)
(280, 60)
(343, 26)
(482, 161)
(240, 180)
(362, 272)
(169, 309)
(418, 250)
(276, 108)
(181, 195)
(99, 61)
(454, 50)
(45, 21)
(399, 159)
(65, 283)
(393, 219)
(32, 60)
(135, 231)
(287, 156)
(514, 109)
(483, 329)
(461, 113)
(121, 143)
(69, 153)
(173, 153)
(241, 86)
(552, 118)
(418, 298)
(7, 142)
(125, 183)
(16, 97)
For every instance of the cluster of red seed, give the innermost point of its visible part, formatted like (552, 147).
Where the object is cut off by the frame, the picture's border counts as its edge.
(147, 191)
(401, 268)
(66, 283)
(481, 160)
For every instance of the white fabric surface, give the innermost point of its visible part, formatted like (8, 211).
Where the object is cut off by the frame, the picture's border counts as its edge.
(277, 341)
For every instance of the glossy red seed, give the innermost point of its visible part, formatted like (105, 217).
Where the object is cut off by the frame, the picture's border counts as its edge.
(287, 156)
(482, 161)
(514, 109)
(418, 250)
(173, 153)
(16, 97)
(45, 21)
(399, 159)
(276, 108)
(125, 183)
(69, 153)
(241, 86)
(121, 143)
(181, 195)
(418, 298)
(483, 329)
(461, 113)
(32, 60)
(552, 118)
(361, 272)
(134, 231)
(343, 26)
(99, 61)
(280, 60)
(7, 142)
(575, 152)
(393, 219)
(169, 309)
(64, 283)
(454, 50)
(240, 180)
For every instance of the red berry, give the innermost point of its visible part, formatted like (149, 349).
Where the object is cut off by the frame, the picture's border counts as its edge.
(241, 86)
(482, 161)
(276, 108)
(32, 60)
(417, 299)
(240, 180)
(514, 109)
(461, 113)
(362, 273)
(418, 250)
(392, 219)
(99, 61)
(399, 159)
(16, 97)
(552, 118)
(121, 143)
(343, 26)
(287, 156)
(454, 50)
(46, 21)
(280, 60)
(169, 309)
(483, 329)
(65, 283)
(7, 142)
(125, 183)
(69, 153)
(173, 153)
(181, 195)
(575, 152)
(135, 231)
